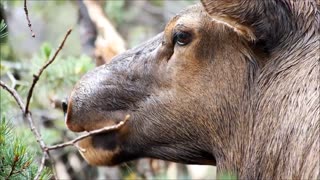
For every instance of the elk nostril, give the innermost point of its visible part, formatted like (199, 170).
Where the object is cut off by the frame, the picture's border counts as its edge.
(64, 106)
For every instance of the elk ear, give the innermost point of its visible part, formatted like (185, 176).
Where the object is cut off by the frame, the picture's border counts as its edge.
(231, 13)
(266, 22)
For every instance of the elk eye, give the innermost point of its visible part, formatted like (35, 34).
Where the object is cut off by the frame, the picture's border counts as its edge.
(182, 38)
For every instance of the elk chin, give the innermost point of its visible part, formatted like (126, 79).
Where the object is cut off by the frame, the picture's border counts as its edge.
(97, 155)
(104, 149)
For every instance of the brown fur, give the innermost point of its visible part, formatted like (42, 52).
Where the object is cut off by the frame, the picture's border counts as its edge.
(242, 95)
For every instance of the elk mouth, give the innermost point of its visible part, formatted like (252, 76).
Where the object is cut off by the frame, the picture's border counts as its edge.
(102, 148)
(95, 122)
(92, 122)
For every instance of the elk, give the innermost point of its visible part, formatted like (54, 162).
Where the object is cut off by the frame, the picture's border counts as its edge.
(231, 83)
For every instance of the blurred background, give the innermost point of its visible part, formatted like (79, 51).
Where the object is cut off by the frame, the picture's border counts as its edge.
(101, 29)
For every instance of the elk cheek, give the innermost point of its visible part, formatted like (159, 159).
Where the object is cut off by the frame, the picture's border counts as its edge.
(95, 154)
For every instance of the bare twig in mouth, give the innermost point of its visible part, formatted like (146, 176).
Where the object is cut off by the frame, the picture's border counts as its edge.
(90, 133)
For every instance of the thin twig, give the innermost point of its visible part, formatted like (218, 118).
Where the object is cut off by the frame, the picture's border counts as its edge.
(35, 131)
(40, 169)
(14, 93)
(90, 133)
(28, 19)
(27, 113)
(54, 171)
(37, 76)
(17, 97)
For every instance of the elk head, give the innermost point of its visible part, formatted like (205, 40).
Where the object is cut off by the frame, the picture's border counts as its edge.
(185, 90)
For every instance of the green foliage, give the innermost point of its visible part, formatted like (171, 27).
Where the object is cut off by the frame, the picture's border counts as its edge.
(3, 27)
(4, 46)
(64, 71)
(16, 159)
(60, 76)
(57, 80)
(46, 51)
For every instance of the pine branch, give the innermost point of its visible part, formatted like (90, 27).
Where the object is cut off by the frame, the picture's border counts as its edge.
(13, 166)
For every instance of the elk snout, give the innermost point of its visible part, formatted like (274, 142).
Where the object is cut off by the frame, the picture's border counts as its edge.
(106, 94)
(72, 125)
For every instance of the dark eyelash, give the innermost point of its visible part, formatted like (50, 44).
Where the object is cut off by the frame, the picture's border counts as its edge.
(175, 37)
